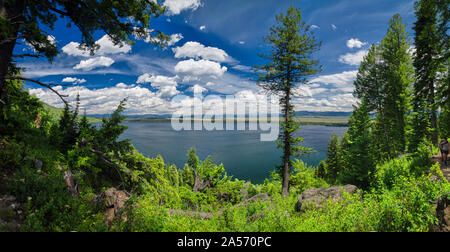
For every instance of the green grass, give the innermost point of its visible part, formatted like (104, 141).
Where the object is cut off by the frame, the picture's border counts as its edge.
(323, 120)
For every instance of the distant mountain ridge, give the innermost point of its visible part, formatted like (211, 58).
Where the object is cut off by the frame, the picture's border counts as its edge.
(298, 114)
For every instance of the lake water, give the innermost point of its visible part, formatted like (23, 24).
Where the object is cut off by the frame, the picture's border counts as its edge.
(243, 154)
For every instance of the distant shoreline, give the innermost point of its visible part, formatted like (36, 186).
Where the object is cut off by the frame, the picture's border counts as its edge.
(325, 120)
(304, 120)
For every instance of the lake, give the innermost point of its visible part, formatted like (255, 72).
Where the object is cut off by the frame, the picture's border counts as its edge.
(243, 154)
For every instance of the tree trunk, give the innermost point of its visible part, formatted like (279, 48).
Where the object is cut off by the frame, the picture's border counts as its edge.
(287, 146)
(434, 125)
(7, 41)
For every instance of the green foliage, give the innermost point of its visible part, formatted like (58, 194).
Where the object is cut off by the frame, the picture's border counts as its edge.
(91, 158)
(431, 42)
(359, 156)
(334, 159)
(383, 80)
(444, 122)
(322, 170)
(290, 63)
(48, 205)
(303, 178)
(394, 171)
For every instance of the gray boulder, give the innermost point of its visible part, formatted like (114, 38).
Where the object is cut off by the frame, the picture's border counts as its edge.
(315, 198)
(114, 202)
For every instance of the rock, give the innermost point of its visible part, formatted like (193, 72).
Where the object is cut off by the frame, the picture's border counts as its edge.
(258, 197)
(261, 197)
(198, 215)
(10, 198)
(224, 197)
(114, 202)
(317, 196)
(442, 214)
(38, 164)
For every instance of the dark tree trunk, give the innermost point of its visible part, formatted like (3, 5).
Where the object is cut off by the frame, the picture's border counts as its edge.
(8, 40)
(434, 124)
(287, 146)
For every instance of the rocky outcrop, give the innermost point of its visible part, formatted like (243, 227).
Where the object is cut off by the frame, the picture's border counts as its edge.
(442, 214)
(192, 214)
(315, 198)
(258, 197)
(10, 214)
(114, 202)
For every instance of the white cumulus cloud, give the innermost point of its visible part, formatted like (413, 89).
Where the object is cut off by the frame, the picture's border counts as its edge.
(193, 69)
(106, 47)
(97, 62)
(175, 7)
(353, 59)
(141, 100)
(355, 43)
(197, 89)
(196, 50)
(73, 80)
(167, 86)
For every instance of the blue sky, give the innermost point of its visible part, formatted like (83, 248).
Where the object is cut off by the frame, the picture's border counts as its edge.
(214, 44)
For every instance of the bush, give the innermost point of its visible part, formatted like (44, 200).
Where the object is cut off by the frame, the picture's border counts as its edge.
(49, 206)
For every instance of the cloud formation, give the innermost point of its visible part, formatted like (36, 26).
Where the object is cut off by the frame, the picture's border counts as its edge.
(194, 69)
(93, 63)
(107, 47)
(353, 59)
(73, 80)
(175, 7)
(355, 43)
(196, 50)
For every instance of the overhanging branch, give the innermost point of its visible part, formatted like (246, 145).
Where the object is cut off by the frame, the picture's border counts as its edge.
(41, 84)
(26, 55)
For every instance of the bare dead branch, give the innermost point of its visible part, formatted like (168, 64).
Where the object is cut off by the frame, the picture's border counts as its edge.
(107, 160)
(41, 84)
(51, 8)
(9, 40)
(26, 55)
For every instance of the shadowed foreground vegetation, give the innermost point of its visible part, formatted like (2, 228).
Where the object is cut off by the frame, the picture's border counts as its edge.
(166, 198)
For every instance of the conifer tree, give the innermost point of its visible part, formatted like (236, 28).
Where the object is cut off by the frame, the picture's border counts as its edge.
(322, 171)
(383, 80)
(397, 73)
(428, 51)
(333, 159)
(290, 63)
(359, 154)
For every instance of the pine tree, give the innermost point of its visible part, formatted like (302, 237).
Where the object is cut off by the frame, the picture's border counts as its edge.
(359, 155)
(345, 145)
(291, 62)
(333, 159)
(428, 51)
(369, 82)
(397, 71)
(383, 80)
(322, 171)
(68, 128)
